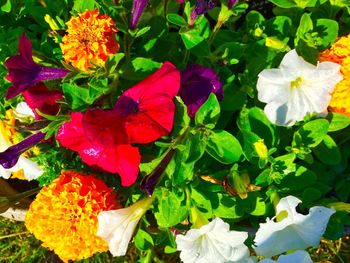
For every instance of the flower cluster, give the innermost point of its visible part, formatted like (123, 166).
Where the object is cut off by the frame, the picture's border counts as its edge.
(201, 127)
(90, 40)
(65, 212)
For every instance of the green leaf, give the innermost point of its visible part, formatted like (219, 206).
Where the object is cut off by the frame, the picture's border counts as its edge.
(83, 5)
(255, 120)
(142, 31)
(176, 19)
(77, 97)
(191, 37)
(6, 7)
(143, 240)
(248, 139)
(202, 202)
(170, 209)
(139, 68)
(113, 61)
(208, 114)
(310, 195)
(327, 30)
(181, 119)
(338, 121)
(311, 134)
(224, 147)
(185, 159)
(299, 179)
(284, 3)
(327, 151)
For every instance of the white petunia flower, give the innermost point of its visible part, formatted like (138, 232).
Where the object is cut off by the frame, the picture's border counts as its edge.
(23, 110)
(294, 232)
(296, 89)
(300, 256)
(213, 242)
(116, 227)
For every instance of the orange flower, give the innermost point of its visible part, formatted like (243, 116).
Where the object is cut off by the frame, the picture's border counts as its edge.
(340, 53)
(64, 215)
(90, 39)
(341, 97)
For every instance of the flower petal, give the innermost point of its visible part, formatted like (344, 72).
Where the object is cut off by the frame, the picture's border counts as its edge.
(297, 231)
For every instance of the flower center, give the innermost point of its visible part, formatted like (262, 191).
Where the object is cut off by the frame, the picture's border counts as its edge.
(296, 83)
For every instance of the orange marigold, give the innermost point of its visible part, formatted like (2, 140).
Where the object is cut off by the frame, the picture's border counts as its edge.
(340, 101)
(340, 53)
(90, 39)
(64, 215)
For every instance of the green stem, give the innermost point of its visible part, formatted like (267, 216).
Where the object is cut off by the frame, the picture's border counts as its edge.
(15, 234)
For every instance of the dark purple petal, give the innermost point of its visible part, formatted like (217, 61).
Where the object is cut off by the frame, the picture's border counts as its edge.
(9, 158)
(197, 82)
(201, 7)
(137, 9)
(150, 181)
(24, 72)
(230, 3)
(126, 105)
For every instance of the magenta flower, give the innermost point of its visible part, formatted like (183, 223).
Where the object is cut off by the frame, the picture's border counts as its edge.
(230, 3)
(10, 156)
(24, 72)
(137, 8)
(197, 82)
(40, 97)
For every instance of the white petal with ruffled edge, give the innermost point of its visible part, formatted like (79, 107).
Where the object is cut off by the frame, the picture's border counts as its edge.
(213, 242)
(296, 89)
(296, 231)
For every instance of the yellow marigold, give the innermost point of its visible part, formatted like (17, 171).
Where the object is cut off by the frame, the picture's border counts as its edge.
(64, 215)
(341, 97)
(90, 38)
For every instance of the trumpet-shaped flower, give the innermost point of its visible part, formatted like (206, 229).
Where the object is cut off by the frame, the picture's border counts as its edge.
(116, 227)
(213, 242)
(90, 40)
(300, 256)
(24, 72)
(99, 139)
(148, 107)
(11, 161)
(142, 114)
(64, 215)
(296, 231)
(197, 82)
(137, 8)
(39, 97)
(296, 89)
(11, 155)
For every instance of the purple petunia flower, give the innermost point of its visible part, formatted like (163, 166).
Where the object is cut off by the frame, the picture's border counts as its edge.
(201, 7)
(197, 82)
(24, 72)
(10, 156)
(137, 8)
(230, 3)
